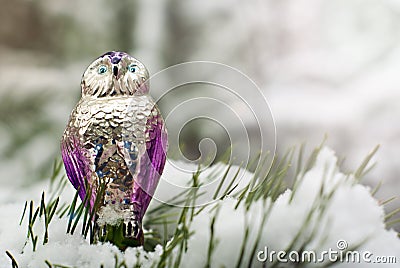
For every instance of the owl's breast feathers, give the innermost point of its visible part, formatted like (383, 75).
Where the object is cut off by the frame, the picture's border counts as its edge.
(120, 141)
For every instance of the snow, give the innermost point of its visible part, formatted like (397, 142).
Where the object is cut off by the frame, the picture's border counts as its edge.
(350, 214)
(110, 215)
(65, 249)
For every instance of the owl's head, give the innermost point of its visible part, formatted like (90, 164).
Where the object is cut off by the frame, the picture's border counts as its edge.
(115, 74)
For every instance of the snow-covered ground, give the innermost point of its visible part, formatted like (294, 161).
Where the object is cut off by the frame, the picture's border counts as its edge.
(328, 211)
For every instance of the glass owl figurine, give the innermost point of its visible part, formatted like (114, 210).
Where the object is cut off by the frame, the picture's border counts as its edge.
(116, 141)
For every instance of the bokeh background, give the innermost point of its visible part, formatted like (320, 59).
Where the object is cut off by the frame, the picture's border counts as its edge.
(326, 67)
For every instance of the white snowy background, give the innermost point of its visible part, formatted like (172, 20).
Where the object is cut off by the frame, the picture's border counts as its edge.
(326, 67)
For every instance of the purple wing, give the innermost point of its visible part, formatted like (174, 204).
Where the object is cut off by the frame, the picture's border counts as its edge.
(76, 165)
(151, 164)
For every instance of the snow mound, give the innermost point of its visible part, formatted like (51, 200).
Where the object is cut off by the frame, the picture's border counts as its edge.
(327, 210)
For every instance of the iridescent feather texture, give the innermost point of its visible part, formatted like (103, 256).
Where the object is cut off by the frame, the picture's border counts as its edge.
(116, 137)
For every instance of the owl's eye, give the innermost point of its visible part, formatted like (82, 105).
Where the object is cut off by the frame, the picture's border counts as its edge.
(102, 69)
(132, 68)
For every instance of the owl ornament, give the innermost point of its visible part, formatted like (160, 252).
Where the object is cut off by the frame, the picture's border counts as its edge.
(114, 146)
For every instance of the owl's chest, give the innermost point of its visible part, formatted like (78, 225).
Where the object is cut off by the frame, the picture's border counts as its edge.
(115, 119)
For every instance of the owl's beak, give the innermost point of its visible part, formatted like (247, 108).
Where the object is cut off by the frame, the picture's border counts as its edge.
(115, 71)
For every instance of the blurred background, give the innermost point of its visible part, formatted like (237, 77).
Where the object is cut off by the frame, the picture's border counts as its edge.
(326, 67)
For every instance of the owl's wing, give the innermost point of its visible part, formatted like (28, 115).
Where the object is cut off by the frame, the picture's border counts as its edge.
(76, 164)
(152, 162)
